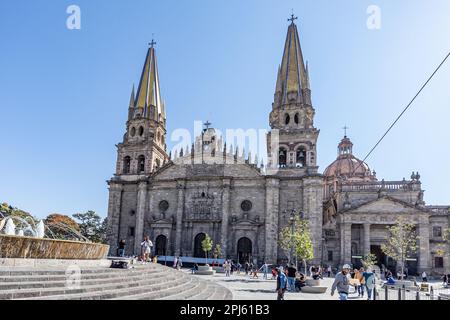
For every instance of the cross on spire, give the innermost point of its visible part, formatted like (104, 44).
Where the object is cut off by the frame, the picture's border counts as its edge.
(152, 43)
(293, 17)
(207, 124)
(345, 130)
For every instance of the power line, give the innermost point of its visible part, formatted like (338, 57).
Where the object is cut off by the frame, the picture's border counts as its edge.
(404, 110)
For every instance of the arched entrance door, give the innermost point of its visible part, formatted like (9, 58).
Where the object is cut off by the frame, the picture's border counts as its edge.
(244, 250)
(198, 251)
(161, 245)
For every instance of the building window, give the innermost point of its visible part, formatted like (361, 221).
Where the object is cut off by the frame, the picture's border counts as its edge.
(132, 212)
(141, 131)
(301, 157)
(126, 165)
(438, 262)
(141, 164)
(163, 206)
(287, 119)
(296, 118)
(133, 131)
(437, 232)
(246, 205)
(131, 231)
(282, 155)
(330, 255)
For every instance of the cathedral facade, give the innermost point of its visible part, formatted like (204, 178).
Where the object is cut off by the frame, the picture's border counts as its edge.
(211, 189)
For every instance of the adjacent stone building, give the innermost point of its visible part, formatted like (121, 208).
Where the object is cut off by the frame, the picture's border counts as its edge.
(209, 188)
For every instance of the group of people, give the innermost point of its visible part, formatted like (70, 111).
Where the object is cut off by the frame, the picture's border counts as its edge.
(360, 278)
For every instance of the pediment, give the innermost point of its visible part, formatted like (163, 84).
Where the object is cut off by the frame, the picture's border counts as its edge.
(386, 205)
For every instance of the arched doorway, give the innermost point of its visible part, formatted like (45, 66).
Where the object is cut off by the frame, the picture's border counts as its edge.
(198, 251)
(244, 250)
(161, 245)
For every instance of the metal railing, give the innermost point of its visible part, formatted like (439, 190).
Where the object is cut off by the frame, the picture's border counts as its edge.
(392, 292)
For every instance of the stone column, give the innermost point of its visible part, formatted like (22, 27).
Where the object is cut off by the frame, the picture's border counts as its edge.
(366, 249)
(225, 216)
(346, 242)
(272, 210)
(179, 220)
(313, 209)
(423, 232)
(140, 213)
(114, 211)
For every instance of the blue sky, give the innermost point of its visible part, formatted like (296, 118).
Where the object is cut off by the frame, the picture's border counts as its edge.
(64, 93)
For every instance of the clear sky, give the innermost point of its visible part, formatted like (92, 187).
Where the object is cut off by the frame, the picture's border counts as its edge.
(64, 93)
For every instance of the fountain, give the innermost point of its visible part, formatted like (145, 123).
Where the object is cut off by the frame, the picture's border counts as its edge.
(22, 241)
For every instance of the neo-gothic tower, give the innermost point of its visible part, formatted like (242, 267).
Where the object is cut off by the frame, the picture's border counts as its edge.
(143, 149)
(291, 144)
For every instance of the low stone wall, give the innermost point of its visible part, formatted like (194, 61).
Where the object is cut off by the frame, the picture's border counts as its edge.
(35, 248)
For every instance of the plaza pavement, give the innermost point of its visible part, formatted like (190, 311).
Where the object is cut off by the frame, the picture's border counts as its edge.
(246, 288)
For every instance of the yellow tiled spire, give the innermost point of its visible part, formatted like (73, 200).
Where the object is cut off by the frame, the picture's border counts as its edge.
(292, 75)
(148, 101)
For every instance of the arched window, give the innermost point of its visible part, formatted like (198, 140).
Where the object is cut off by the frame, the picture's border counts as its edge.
(141, 164)
(141, 131)
(198, 251)
(133, 131)
(301, 157)
(126, 165)
(296, 118)
(282, 157)
(287, 119)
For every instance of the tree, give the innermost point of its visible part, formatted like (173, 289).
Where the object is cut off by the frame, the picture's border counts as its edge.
(444, 246)
(207, 244)
(217, 251)
(401, 243)
(60, 226)
(369, 261)
(299, 241)
(92, 226)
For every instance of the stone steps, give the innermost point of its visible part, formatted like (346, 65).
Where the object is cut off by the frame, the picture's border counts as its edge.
(143, 282)
(50, 282)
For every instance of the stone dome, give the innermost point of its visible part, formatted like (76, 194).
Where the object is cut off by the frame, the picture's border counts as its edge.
(347, 166)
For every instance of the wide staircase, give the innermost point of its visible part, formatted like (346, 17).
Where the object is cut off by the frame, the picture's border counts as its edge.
(143, 282)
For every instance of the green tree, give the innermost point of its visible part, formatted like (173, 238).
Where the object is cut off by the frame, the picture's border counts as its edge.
(92, 226)
(207, 244)
(369, 261)
(217, 251)
(443, 247)
(401, 243)
(299, 241)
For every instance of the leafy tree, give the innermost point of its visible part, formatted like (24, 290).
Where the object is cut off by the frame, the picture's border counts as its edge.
(60, 226)
(443, 247)
(369, 261)
(207, 244)
(299, 241)
(217, 251)
(401, 243)
(92, 226)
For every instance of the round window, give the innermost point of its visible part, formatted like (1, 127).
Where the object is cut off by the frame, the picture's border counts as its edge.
(163, 206)
(246, 205)
(133, 131)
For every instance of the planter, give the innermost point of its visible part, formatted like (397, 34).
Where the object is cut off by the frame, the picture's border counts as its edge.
(205, 271)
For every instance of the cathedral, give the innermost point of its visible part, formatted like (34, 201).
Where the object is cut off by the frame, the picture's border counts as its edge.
(213, 189)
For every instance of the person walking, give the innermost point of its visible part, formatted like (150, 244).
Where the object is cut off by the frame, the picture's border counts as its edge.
(329, 271)
(369, 279)
(291, 277)
(121, 250)
(311, 271)
(341, 283)
(179, 263)
(175, 261)
(146, 248)
(445, 280)
(227, 268)
(265, 270)
(194, 268)
(362, 282)
(281, 283)
(424, 277)
(246, 267)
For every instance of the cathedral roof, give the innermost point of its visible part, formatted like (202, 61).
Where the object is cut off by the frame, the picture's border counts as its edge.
(292, 73)
(148, 96)
(347, 166)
